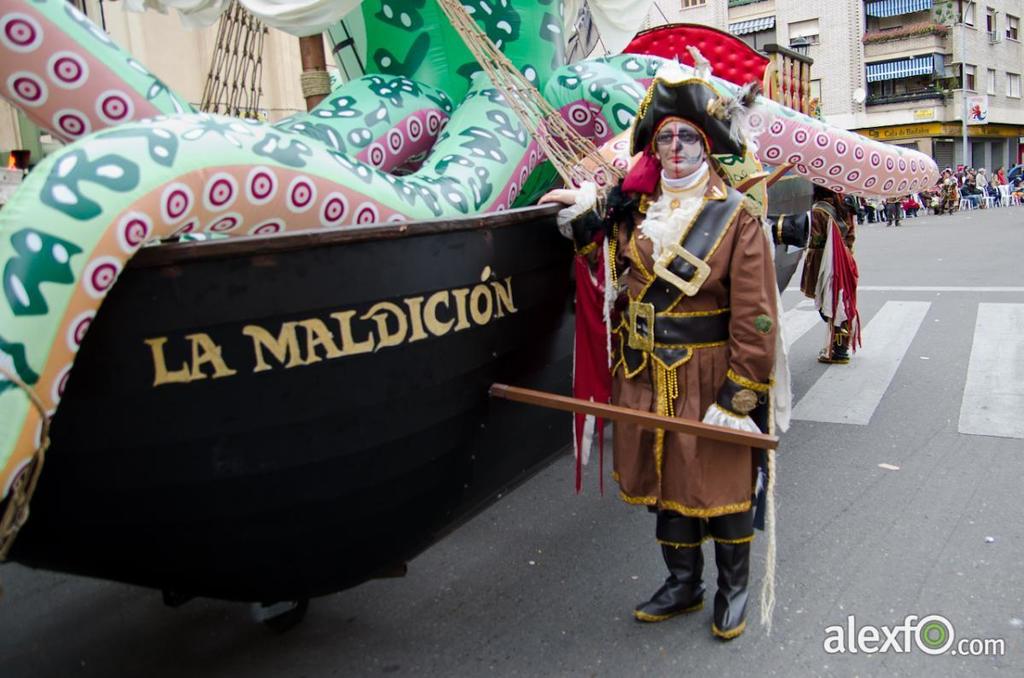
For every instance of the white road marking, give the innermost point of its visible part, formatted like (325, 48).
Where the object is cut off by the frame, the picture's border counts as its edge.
(849, 394)
(799, 319)
(888, 288)
(994, 393)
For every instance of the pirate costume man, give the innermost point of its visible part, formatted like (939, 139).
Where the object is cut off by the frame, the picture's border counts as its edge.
(693, 311)
(830, 275)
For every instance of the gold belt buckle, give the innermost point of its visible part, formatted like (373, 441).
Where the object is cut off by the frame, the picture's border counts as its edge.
(687, 287)
(644, 311)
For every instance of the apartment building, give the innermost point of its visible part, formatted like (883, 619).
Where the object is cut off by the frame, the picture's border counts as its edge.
(901, 71)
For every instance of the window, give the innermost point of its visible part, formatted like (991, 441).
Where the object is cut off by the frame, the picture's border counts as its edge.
(968, 71)
(991, 81)
(1012, 27)
(759, 39)
(1013, 85)
(967, 12)
(990, 20)
(687, 4)
(804, 29)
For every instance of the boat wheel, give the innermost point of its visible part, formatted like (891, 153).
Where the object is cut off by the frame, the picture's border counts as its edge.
(283, 616)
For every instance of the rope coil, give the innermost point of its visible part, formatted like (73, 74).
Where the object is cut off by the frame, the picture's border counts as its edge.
(315, 83)
(16, 511)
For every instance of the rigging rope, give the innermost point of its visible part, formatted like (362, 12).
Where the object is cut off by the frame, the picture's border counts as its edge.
(575, 157)
(234, 82)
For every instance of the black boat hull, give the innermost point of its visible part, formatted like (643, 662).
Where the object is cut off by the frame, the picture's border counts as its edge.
(214, 441)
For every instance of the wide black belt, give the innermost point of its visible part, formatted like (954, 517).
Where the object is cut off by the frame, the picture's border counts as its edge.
(670, 338)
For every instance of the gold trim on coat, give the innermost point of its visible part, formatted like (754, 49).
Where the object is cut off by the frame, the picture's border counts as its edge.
(693, 314)
(760, 387)
(687, 511)
(706, 344)
(637, 501)
(659, 452)
(637, 258)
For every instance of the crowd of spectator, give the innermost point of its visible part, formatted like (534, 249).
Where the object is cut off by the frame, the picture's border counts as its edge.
(963, 188)
(967, 187)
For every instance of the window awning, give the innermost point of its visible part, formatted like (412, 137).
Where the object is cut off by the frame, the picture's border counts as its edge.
(884, 8)
(904, 68)
(752, 25)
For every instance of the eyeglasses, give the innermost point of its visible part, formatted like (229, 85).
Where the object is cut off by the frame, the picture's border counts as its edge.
(686, 136)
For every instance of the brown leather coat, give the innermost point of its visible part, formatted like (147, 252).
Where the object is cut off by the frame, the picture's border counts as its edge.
(816, 247)
(695, 476)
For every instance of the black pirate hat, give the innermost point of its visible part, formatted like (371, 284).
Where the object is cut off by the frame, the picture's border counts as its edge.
(673, 93)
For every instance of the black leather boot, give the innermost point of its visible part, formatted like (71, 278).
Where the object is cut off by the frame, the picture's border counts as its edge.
(839, 352)
(683, 590)
(733, 534)
(733, 562)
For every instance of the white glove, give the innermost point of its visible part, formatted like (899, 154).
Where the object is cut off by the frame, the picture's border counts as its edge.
(719, 416)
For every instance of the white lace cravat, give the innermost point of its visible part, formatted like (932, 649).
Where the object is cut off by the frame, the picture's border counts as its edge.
(679, 201)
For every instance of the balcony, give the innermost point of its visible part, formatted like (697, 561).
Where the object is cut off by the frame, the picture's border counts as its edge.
(921, 37)
(883, 99)
(741, 3)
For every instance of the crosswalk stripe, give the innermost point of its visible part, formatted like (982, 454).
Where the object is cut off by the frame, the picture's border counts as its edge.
(798, 320)
(850, 395)
(994, 393)
(927, 288)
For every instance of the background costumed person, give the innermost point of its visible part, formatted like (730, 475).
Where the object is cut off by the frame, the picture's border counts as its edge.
(830, 275)
(950, 192)
(692, 306)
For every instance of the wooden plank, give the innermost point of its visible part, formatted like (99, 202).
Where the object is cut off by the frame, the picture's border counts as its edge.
(646, 419)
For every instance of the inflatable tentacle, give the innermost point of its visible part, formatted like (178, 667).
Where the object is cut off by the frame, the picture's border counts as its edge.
(382, 121)
(599, 98)
(83, 212)
(414, 39)
(68, 76)
(843, 161)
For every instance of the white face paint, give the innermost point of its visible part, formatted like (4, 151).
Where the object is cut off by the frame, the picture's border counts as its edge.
(680, 149)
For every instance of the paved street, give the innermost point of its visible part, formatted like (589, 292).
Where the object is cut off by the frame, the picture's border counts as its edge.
(543, 583)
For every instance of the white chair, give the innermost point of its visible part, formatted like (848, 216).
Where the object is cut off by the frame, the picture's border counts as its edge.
(966, 204)
(1006, 196)
(989, 201)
